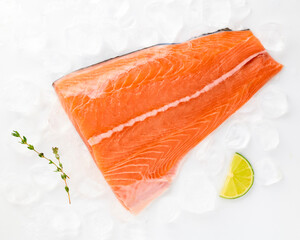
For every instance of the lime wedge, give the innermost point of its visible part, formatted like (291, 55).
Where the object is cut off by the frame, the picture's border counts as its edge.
(239, 179)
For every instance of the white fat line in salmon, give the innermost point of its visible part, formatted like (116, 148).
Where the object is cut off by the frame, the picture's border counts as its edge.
(96, 139)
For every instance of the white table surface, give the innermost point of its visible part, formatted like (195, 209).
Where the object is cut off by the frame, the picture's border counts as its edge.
(43, 40)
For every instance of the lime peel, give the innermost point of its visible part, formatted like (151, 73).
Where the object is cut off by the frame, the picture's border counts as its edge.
(239, 179)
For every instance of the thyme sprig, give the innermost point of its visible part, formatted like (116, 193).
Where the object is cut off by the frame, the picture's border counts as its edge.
(59, 166)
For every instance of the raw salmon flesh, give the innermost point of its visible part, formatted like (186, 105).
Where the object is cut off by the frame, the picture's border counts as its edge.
(139, 114)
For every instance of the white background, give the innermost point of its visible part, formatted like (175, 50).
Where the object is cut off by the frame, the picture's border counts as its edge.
(43, 40)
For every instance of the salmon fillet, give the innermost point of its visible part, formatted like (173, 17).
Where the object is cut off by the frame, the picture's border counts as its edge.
(140, 113)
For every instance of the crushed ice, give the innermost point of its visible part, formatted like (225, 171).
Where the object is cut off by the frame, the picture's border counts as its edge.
(56, 44)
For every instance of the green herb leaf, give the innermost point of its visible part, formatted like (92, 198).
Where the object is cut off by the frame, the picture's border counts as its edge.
(30, 147)
(55, 150)
(59, 166)
(15, 134)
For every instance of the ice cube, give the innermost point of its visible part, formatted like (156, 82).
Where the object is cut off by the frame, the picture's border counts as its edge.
(132, 231)
(119, 8)
(118, 40)
(166, 210)
(270, 34)
(169, 25)
(20, 190)
(213, 162)
(83, 39)
(249, 106)
(273, 103)
(33, 42)
(59, 221)
(237, 136)
(147, 37)
(267, 136)
(56, 63)
(194, 15)
(90, 188)
(21, 95)
(216, 13)
(200, 151)
(8, 10)
(198, 194)
(120, 212)
(43, 177)
(98, 225)
(240, 11)
(58, 119)
(267, 172)
(66, 222)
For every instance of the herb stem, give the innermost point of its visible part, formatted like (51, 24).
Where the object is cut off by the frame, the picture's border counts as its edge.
(59, 166)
